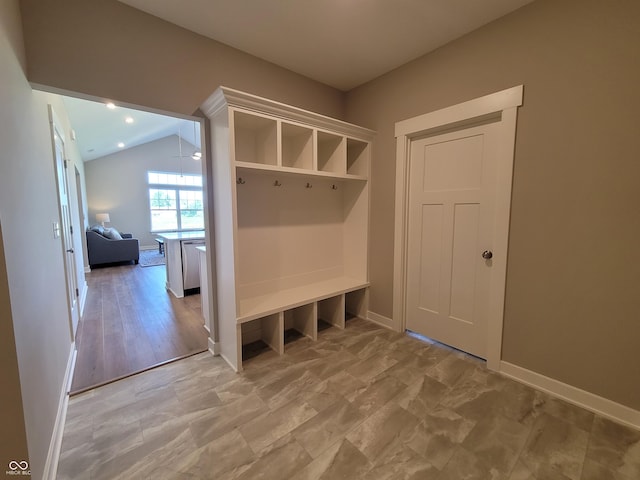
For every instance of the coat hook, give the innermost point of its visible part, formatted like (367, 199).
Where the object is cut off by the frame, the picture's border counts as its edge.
(334, 187)
(309, 185)
(240, 181)
(277, 184)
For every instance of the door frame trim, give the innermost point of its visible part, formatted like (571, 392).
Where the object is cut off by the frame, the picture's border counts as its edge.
(502, 105)
(57, 131)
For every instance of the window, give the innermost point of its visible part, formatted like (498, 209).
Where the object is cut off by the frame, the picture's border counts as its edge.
(175, 201)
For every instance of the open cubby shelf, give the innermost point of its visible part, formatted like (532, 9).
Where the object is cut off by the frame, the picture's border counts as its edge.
(255, 139)
(331, 153)
(302, 149)
(276, 330)
(297, 147)
(290, 221)
(357, 157)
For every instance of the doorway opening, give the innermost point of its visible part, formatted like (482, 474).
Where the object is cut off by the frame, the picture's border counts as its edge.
(131, 322)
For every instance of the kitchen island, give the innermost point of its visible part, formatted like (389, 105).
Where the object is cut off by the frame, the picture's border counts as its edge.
(183, 269)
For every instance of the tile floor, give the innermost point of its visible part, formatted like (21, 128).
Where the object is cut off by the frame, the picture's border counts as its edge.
(360, 403)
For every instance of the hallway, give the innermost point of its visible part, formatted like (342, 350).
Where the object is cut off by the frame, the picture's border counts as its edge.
(360, 403)
(131, 323)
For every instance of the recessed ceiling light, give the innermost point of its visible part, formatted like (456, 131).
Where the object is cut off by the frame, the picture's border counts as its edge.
(111, 105)
(128, 120)
(120, 145)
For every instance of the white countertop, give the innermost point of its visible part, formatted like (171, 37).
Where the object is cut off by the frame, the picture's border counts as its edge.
(182, 235)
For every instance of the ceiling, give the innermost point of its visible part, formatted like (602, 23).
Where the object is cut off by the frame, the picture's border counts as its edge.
(99, 129)
(342, 43)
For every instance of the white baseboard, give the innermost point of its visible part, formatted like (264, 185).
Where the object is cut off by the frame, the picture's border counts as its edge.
(380, 320)
(148, 247)
(87, 269)
(51, 465)
(589, 401)
(214, 347)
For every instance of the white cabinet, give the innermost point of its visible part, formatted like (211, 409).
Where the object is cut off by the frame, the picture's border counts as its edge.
(291, 217)
(182, 261)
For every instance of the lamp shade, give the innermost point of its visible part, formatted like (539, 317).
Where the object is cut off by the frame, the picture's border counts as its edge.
(102, 217)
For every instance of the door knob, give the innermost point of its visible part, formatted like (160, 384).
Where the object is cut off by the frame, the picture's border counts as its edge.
(487, 254)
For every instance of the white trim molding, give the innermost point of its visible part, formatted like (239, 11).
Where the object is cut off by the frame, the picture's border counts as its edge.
(500, 107)
(51, 465)
(587, 400)
(380, 320)
(214, 347)
(225, 96)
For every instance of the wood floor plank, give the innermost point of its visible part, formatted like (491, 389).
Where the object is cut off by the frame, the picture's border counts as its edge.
(131, 323)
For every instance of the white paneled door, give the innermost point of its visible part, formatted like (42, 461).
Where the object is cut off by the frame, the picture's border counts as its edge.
(452, 182)
(66, 231)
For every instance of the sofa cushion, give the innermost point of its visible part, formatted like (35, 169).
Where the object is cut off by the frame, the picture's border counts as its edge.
(112, 234)
(98, 229)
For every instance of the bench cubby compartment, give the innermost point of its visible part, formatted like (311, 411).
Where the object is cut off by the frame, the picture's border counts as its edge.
(269, 329)
(302, 319)
(331, 310)
(356, 304)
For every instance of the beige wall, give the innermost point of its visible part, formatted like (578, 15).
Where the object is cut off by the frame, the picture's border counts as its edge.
(13, 437)
(117, 184)
(34, 258)
(573, 278)
(107, 49)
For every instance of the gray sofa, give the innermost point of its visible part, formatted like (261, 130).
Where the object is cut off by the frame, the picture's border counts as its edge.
(101, 249)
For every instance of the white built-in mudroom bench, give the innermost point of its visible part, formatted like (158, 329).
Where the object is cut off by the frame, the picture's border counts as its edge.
(291, 220)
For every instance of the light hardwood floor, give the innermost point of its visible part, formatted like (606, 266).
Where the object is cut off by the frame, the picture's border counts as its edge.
(131, 323)
(360, 403)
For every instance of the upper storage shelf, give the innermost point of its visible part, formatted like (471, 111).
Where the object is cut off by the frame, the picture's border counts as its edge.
(332, 155)
(305, 143)
(255, 139)
(275, 145)
(358, 157)
(297, 146)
